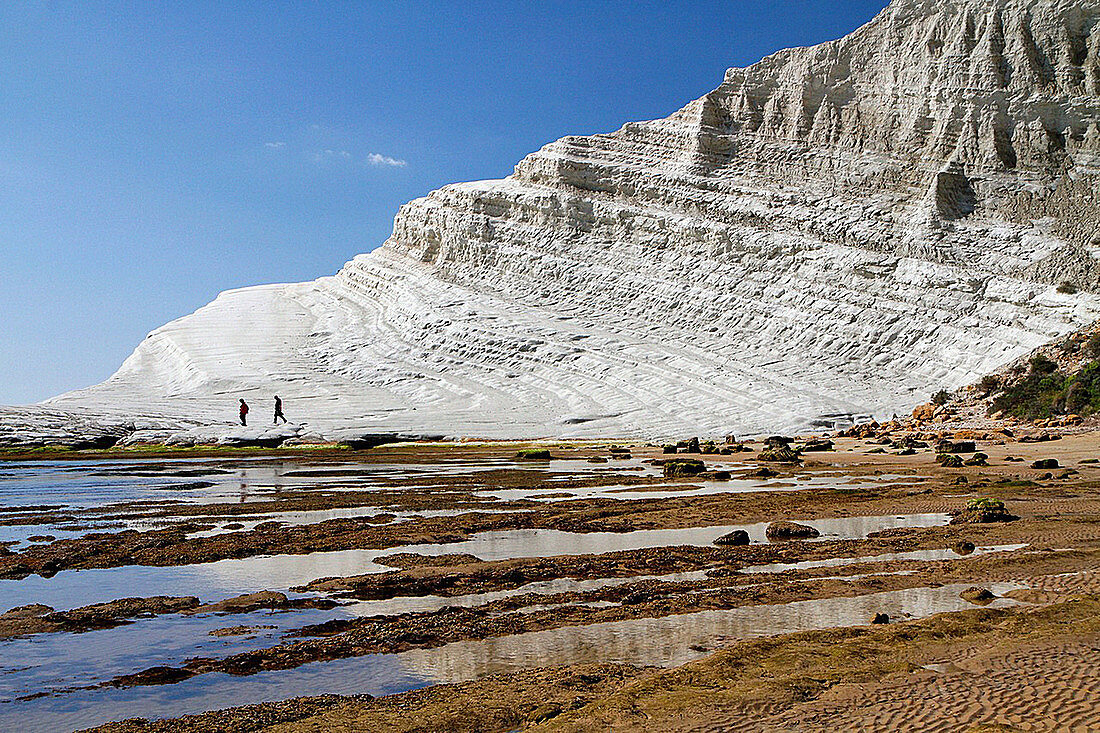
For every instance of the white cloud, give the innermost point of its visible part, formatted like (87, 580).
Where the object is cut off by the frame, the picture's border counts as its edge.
(338, 153)
(379, 159)
(275, 144)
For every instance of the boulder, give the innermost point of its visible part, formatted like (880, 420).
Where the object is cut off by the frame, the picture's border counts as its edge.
(688, 446)
(949, 460)
(963, 547)
(983, 510)
(817, 445)
(924, 412)
(790, 531)
(1045, 463)
(978, 459)
(683, 467)
(978, 596)
(881, 618)
(780, 454)
(956, 446)
(736, 537)
(764, 472)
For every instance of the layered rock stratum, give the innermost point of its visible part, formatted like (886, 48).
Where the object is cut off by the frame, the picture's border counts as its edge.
(834, 231)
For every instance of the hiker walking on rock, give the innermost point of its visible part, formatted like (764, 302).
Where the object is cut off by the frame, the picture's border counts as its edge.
(244, 411)
(278, 410)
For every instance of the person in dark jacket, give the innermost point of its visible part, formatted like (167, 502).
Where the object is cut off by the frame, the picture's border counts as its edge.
(278, 410)
(244, 411)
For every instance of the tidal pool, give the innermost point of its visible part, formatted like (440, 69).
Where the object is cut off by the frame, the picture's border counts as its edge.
(666, 641)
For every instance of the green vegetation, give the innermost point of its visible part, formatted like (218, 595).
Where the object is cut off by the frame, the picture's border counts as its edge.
(1045, 390)
(978, 459)
(984, 503)
(534, 454)
(941, 397)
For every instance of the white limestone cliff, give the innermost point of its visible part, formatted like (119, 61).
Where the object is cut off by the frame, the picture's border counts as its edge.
(836, 230)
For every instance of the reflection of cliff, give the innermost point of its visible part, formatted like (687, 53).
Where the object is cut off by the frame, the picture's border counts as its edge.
(667, 641)
(833, 230)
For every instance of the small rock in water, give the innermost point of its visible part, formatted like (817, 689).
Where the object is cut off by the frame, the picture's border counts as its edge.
(881, 618)
(963, 547)
(736, 537)
(764, 472)
(790, 531)
(978, 596)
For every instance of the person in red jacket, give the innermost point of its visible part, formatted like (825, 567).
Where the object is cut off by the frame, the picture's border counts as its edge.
(244, 411)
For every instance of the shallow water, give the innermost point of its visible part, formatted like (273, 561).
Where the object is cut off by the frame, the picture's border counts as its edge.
(690, 487)
(667, 641)
(64, 660)
(917, 555)
(217, 580)
(663, 641)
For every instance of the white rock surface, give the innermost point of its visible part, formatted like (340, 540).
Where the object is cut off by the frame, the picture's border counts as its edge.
(835, 230)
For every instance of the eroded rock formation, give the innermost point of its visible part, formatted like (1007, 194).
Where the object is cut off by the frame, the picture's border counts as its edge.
(835, 230)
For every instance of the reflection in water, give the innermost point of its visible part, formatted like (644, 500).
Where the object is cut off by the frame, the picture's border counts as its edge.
(417, 604)
(66, 660)
(918, 555)
(60, 660)
(505, 544)
(662, 641)
(667, 641)
(381, 674)
(216, 580)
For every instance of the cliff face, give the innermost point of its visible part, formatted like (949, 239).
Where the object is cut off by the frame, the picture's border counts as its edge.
(834, 230)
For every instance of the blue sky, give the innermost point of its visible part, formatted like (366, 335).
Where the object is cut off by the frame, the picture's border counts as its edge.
(154, 154)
